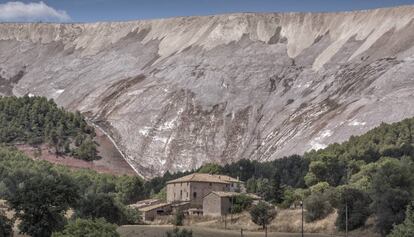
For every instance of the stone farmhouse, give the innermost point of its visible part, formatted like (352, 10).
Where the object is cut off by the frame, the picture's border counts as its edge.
(194, 187)
(197, 194)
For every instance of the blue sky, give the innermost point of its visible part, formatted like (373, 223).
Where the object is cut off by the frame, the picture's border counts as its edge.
(121, 10)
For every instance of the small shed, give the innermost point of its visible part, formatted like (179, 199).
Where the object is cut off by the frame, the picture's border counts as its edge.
(150, 212)
(217, 203)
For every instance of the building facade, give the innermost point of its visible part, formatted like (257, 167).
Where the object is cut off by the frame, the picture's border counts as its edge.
(194, 187)
(217, 203)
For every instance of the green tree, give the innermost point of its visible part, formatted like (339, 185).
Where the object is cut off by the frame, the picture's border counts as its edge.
(317, 206)
(41, 201)
(240, 203)
(405, 229)
(99, 205)
(391, 191)
(251, 185)
(87, 150)
(129, 189)
(210, 169)
(262, 214)
(6, 225)
(357, 203)
(89, 228)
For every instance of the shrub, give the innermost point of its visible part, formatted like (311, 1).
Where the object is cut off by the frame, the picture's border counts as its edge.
(317, 207)
(406, 228)
(178, 218)
(88, 227)
(179, 233)
(240, 203)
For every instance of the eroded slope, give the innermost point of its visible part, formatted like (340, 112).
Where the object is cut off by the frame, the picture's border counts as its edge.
(175, 93)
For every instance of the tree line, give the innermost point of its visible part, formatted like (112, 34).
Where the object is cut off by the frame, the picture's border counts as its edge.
(368, 175)
(41, 195)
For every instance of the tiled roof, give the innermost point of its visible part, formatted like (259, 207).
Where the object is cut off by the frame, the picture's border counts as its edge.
(152, 207)
(225, 194)
(200, 177)
(145, 203)
(233, 194)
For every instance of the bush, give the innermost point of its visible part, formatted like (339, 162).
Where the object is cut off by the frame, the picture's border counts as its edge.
(88, 227)
(240, 203)
(292, 197)
(358, 209)
(178, 218)
(6, 225)
(317, 207)
(262, 214)
(405, 229)
(101, 205)
(179, 233)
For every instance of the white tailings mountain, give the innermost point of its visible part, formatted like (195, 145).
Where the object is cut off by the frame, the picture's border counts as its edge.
(176, 93)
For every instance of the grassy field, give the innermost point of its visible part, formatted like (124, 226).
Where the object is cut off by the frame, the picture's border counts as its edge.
(159, 231)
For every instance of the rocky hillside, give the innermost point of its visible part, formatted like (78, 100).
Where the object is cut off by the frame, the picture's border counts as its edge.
(175, 93)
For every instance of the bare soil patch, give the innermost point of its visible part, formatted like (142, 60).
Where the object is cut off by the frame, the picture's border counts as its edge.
(112, 161)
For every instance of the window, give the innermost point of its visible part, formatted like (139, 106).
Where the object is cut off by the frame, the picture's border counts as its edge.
(195, 195)
(210, 184)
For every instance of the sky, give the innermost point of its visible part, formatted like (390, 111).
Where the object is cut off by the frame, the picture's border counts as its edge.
(123, 10)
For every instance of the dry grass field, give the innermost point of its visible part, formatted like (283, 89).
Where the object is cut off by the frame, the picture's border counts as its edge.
(159, 231)
(287, 224)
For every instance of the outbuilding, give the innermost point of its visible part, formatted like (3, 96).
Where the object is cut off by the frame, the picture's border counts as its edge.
(218, 203)
(150, 212)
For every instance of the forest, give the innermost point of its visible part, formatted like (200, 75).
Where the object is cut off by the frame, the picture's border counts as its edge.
(37, 120)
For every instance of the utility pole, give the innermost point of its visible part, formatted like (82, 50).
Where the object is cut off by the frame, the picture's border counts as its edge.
(346, 218)
(346, 203)
(301, 205)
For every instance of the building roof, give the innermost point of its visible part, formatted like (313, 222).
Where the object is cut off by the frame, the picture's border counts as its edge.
(225, 194)
(145, 203)
(200, 177)
(233, 194)
(152, 207)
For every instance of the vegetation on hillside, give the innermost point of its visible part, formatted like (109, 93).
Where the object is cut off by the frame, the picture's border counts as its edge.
(37, 120)
(368, 175)
(41, 193)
